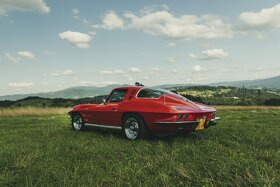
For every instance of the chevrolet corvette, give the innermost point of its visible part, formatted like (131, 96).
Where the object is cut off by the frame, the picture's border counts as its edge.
(140, 111)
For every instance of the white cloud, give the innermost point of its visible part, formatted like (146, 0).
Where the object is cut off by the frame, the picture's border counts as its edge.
(146, 77)
(26, 54)
(15, 58)
(76, 14)
(128, 77)
(134, 70)
(118, 71)
(92, 33)
(192, 56)
(75, 11)
(106, 72)
(171, 44)
(210, 54)
(171, 60)
(12, 58)
(46, 52)
(145, 54)
(77, 17)
(104, 83)
(109, 82)
(155, 69)
(54, 74)
(153, 8)
(86, 83)
(163, 23)
(110, 21)
(156, 72)
(68, 72)
(79, 39)
(261, 36)
(214, 53)
(85, 21)
(109, 72)
(174, 71)
(20, 85)
(23, 5)
(266, 18)
(198, 68)
(164, 7)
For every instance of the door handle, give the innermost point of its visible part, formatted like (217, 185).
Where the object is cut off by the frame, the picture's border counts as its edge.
(114, 108)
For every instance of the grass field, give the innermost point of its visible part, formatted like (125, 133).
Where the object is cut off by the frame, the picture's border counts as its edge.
(242, 150)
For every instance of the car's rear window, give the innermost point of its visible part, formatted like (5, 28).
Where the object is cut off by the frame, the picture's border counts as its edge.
(149, 93)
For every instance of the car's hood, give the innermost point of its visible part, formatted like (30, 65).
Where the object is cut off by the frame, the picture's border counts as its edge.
(84, 106)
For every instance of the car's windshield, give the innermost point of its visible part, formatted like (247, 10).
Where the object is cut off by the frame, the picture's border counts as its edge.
(117, 95)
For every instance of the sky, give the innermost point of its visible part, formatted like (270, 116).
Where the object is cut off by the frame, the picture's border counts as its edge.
(49, 45)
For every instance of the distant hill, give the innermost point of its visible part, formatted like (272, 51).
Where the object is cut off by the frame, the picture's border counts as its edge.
(88, 91)
(272, 83)
(211, 95)
(35, 101)
(165, 86)
(74, 92)
(79, 92)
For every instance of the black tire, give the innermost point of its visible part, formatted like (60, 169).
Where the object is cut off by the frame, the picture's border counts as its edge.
(134, 127)
(78, 122)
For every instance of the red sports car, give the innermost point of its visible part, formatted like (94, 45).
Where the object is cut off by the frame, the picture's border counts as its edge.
(139, 111)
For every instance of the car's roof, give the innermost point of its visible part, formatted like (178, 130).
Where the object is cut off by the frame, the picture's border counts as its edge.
(130, 87)
(136, 87)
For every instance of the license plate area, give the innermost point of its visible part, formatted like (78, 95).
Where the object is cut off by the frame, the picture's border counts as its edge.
(201, 122)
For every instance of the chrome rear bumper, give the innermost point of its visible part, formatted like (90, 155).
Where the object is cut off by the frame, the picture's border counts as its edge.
(180, 125)
(176, 123)
(213, 121)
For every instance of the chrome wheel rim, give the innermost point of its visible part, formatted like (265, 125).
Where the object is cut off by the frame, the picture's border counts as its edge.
(131, 128)
(77, 122)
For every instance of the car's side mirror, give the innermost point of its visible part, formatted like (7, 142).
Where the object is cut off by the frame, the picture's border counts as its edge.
(103, 100)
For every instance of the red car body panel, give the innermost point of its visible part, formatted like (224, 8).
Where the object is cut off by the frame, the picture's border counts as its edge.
(159, 114)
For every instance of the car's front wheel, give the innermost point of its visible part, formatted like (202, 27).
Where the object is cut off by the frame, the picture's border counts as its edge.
(134, 127)
(77, 122)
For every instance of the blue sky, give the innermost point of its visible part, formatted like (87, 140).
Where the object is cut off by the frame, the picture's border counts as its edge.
(48, 45)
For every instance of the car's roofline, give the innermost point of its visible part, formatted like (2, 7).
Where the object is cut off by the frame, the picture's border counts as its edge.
(138, 87)
(129, 87)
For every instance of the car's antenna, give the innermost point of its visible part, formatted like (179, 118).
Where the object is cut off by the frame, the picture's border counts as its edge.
(138, 84)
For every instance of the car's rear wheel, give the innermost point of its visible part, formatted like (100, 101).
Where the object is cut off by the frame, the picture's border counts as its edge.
(134, 127)
(78, 122)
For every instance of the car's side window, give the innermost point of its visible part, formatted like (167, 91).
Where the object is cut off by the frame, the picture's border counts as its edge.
(117, 96)
(149, 93)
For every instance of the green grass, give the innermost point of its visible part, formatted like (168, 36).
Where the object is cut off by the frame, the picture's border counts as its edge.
(242, 150)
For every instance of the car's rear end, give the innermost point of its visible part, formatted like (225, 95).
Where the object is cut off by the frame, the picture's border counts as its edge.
(182, 115)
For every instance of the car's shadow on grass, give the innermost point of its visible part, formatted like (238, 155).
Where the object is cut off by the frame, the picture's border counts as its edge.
(172, 138)
(168, 137)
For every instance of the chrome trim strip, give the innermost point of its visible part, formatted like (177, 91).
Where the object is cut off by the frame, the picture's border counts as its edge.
(215, 119)
(103, 126)
(176, 122)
